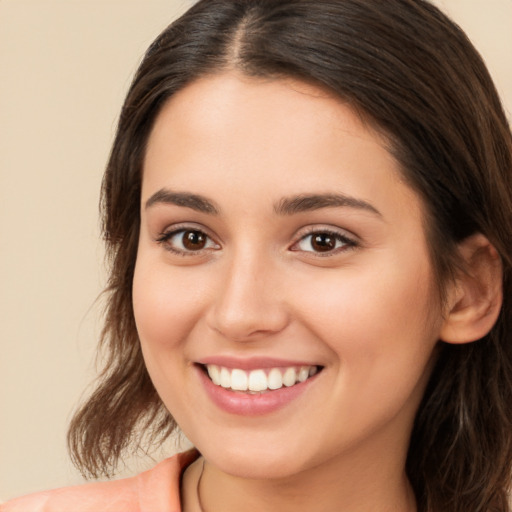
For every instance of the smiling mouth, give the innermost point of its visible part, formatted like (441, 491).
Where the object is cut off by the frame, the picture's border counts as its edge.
(259, 380)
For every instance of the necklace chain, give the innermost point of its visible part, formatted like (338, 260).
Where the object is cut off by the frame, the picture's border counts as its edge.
(198, 491)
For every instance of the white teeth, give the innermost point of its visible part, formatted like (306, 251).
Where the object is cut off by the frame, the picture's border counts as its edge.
(225, 378)
(214, 373)
(289, 377)
(303, 373)
(275, 379)
(259, 380)
(239, 380)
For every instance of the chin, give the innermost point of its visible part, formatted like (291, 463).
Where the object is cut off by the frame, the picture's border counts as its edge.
(256, 462)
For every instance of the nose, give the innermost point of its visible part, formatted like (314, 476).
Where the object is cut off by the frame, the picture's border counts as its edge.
(247, 304)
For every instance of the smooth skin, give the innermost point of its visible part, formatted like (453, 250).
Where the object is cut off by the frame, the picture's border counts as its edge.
(229, 265)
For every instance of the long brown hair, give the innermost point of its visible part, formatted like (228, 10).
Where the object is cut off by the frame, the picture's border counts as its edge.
(414, 75)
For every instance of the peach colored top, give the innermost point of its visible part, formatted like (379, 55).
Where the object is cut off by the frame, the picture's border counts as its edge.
(156, 490)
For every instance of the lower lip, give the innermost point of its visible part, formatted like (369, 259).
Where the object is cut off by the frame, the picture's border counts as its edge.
(246, 404)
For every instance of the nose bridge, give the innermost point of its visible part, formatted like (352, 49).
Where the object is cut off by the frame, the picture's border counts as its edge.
(247, 302)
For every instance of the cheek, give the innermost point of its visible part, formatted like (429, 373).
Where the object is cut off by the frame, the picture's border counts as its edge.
(166, 309)
(166, 305)
(382, 333)
(382, 315)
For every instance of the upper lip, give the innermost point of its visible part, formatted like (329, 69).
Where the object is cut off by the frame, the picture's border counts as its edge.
(253, 363)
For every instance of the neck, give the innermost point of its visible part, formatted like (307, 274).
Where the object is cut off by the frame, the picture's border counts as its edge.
(368, 476)
(333, 486)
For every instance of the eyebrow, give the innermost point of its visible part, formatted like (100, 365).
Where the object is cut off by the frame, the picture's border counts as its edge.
(307, 203)
(194, 201)
(286, 206)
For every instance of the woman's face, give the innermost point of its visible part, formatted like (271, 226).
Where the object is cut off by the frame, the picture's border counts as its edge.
(281, 250)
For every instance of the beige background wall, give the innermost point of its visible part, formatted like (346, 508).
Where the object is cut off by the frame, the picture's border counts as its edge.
(64, 68)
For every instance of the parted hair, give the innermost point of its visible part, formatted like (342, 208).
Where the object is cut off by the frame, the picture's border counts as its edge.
(414, 75)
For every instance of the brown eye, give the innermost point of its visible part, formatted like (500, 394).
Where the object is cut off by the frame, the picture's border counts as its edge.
(187, 241)
(194, 240)
(323, 242)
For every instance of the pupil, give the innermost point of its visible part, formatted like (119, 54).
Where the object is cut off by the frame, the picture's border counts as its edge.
(323, 242)
(194, 240)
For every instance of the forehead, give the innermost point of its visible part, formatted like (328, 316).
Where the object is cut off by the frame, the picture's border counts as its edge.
(228, 99)
(275, 137)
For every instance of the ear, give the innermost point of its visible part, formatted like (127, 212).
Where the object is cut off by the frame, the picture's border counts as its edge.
(474, 300)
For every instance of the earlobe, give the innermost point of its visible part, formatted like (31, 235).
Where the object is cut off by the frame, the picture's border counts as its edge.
(474, 300)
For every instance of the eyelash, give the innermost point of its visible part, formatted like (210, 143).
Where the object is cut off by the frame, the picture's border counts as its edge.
(347, 242)
(165, 238)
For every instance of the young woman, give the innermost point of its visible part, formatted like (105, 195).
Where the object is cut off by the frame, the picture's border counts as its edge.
(308, 209)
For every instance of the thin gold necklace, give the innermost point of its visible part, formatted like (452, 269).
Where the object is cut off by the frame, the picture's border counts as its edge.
(198, 491)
